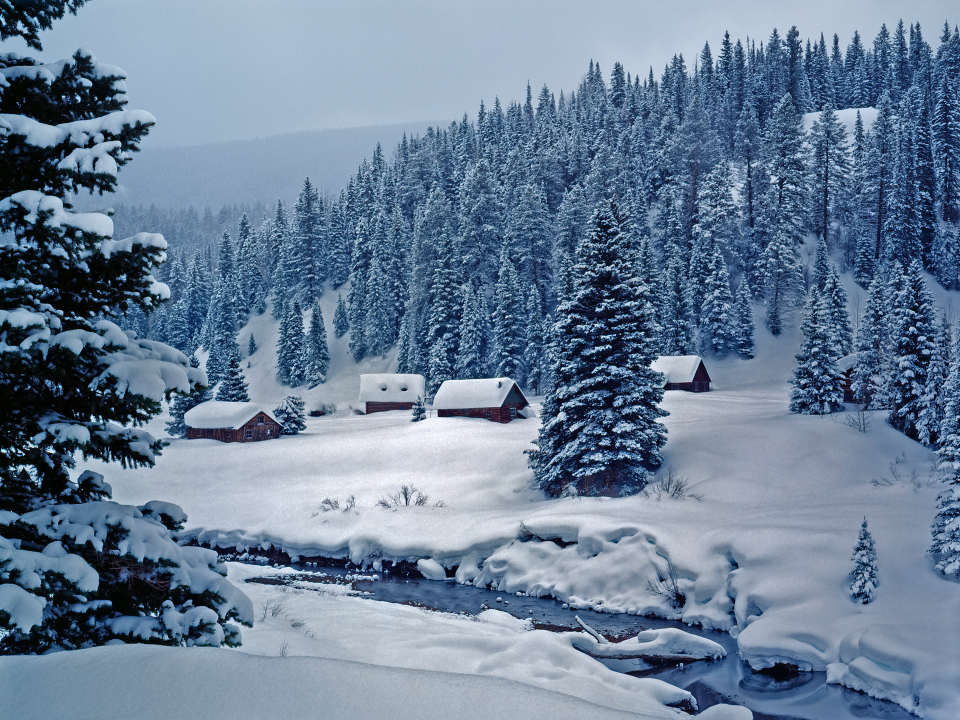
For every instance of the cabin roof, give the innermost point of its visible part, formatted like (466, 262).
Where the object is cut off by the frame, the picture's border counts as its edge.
(391, 387)
(482, 393)
(677, 368)
(219, 414)
(847, 362)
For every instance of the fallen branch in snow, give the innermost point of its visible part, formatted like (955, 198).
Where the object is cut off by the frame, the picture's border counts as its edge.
(593, 633)
(665, 645)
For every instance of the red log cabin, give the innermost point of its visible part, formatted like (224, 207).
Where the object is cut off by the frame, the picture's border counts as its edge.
(390, 391)
(230, 422)
(495, 399)
(682, 372)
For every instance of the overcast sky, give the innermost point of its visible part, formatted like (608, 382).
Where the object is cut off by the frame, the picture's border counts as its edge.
(233, 69)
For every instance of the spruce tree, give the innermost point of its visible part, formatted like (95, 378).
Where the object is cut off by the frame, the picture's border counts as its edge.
(788, 169)
(913, 328)
(318, 353)
(290, 415)
(471, 362)
(535, 356)
(508, 324)
(743, 321)
(817, 386)
(600, 433)
(946, 526)
(782, 280)
(863, 583)
(251, 346)
(76, 385)
(445, 318)
(296, 348)
(718, 332)
(933, 401)
(341, 323)
(835, 299)
(419, 411)
(830, 168)
(232, 388)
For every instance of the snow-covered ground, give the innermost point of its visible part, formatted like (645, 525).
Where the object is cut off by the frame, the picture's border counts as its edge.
(765, 554)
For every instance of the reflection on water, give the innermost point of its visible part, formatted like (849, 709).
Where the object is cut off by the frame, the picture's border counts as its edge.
(804, 696)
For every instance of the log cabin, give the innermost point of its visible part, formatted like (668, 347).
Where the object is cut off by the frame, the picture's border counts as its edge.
(390, 391)
(683, 372)
(495, 399)
(230, 422)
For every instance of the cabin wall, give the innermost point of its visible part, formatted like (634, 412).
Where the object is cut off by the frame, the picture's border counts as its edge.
(497, 414)
(269, 430)
(375, 407)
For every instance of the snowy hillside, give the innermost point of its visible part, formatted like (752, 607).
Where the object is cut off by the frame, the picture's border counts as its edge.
(765, 554)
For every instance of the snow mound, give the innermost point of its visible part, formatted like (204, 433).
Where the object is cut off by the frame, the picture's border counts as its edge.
(664, 643)
(431, 569)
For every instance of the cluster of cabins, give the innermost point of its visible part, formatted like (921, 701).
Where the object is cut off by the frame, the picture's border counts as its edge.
(498, 400)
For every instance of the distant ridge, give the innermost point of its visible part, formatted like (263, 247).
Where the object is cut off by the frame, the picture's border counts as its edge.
(264, 170)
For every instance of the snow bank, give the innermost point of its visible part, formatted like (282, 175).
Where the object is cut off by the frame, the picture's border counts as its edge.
(219, 684)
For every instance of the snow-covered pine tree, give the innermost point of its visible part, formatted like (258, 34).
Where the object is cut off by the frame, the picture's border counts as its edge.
(946, 526)
(934, 400)
(232, 388)
(863, 583)
(471, 362)
(357, 298)
(535, 356)
(308, 232)
(284, 352)
(817, 384)
(717, 332)
(296, 347)
(419, 411)
(379, 319)
(445, 317)
(508, 325)
(290, 415)
(600, 432)
(318, 353)
(74, 383)
(913, 327)
(835, 299)
(251, 346)
(781, 278)
(182, 403)
(743, 321)
(787, 166)
(341, 323)
(830, 167)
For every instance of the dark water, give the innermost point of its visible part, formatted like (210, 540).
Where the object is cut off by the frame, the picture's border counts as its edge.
(805, 696)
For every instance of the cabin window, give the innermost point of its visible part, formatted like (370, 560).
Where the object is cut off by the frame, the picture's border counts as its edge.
(513, 413)
(249, 433)
(259, 419)
(269, 432)
(489, 414)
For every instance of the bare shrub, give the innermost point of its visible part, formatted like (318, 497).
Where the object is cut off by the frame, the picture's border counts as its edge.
(284, 648)
(895, 476)
(297, 623)
(861, 420)
(667, 588)
(276, 609)
(331, 504)
(672, 486)
(406, 496)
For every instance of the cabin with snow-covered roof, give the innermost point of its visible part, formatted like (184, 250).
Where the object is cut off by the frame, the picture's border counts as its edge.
(390, 391)
(845, 365)
(495, 399)
(682, 372)
(230, 422)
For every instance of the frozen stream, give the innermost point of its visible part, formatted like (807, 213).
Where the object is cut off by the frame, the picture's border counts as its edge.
(730, 680)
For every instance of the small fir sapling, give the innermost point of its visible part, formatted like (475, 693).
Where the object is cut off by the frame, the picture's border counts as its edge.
(252, 346)
(232, 387)
(290, 414)
(864, 574)
(341, 323)
(419, 411)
